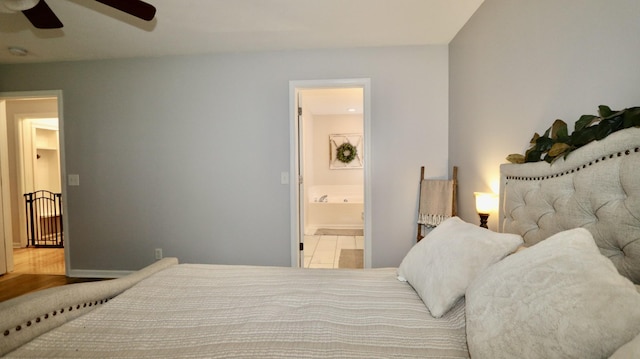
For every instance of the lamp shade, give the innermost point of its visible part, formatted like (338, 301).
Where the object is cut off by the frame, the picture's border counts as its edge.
(486, 202)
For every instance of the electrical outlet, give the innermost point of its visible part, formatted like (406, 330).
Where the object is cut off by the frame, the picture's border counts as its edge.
(73, 180)
(158, 253)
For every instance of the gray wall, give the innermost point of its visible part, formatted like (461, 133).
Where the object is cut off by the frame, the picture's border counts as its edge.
(185, 153)
(518, 65)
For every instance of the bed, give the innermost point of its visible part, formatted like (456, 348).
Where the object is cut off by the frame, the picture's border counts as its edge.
(556, 283)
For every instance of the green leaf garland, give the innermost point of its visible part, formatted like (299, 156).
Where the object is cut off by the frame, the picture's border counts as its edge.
(556, 142)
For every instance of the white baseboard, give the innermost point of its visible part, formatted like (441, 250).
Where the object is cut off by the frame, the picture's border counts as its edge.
(339, 226)
(311, 230)
(92, 273)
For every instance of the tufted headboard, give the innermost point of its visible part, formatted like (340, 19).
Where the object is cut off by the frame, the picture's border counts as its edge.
(596, 187)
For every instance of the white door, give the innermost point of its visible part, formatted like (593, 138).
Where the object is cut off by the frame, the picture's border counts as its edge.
(6, 244)
(299, 179)
(6, 238)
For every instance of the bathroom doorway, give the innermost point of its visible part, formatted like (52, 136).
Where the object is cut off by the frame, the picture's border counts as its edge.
(329, 191)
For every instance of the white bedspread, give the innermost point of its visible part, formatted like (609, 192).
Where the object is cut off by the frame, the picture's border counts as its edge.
(213, 311)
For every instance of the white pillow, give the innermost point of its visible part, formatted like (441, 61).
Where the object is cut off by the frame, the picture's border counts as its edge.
(631, 350)
(558, 299)
(443, 264)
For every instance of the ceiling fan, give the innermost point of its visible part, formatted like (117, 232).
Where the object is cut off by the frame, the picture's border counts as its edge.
(42, 17)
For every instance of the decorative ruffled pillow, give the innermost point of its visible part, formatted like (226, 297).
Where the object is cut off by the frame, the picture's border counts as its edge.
(443, 264)
(560, 298)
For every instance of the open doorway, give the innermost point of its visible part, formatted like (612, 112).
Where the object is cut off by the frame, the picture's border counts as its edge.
(31, 159)
(330, 129)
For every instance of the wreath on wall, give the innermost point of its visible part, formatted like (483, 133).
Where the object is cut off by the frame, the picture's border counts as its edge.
(346, 152)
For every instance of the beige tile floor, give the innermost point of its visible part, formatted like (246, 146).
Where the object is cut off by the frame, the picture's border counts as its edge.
(324, 251)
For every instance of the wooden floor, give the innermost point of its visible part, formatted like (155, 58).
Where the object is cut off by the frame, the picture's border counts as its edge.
(35, 269)
(38, 260)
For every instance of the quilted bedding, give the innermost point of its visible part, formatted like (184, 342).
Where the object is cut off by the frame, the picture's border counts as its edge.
(217, 311)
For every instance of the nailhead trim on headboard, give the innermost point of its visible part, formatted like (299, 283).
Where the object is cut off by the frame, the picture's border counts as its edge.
(604, 158)
(596, 187)
(54, 313)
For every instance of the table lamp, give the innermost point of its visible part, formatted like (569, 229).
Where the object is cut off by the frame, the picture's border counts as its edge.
(485, 204)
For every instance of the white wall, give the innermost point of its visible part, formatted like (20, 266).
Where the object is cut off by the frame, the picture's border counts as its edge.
(185, 153)
(323, 126)
(518, 65)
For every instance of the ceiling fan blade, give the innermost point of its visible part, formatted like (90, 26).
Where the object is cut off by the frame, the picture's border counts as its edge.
(136, 8)
(42, 17)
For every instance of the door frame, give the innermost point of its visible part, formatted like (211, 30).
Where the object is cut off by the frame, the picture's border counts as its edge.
(6, 237)
(294, 168)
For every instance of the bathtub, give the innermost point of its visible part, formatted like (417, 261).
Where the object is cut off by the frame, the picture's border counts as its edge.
(334, 206)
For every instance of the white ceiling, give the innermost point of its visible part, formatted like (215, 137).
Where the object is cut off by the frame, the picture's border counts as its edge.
(95, 31)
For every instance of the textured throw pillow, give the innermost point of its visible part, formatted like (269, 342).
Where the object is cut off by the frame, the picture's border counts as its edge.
(558, 299)
(443, 264)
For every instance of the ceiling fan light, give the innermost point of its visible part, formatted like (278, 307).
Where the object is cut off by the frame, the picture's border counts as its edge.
(20, 5)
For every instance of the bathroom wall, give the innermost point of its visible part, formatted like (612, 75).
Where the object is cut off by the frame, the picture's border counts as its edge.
(318, 172)
(323, 126)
